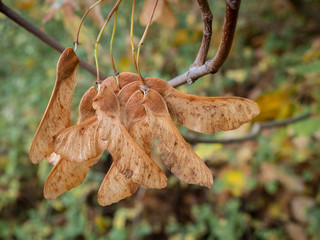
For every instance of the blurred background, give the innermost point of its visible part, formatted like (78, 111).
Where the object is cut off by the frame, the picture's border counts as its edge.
(265, 188)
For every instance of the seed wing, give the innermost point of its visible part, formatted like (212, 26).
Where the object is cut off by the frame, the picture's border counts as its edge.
(85, 107)
(126, 78)
(129, 158)
(115, 187)
(57, 115)
(123, 97)
(176, 153)
(65, 176)
(205, 114)
(80, 142)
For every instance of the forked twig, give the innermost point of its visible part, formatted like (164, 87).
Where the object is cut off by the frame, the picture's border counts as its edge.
(212, 66)
(207, 32)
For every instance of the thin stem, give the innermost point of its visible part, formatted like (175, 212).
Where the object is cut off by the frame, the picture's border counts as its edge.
(100, 35)
(207, 32)
(43, 36)
(111, 43)
(76, 42)
(131, 38)
(145, 33)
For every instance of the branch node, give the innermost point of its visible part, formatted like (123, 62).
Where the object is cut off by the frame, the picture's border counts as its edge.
(233, 4)
(208, 67)
(190, 79)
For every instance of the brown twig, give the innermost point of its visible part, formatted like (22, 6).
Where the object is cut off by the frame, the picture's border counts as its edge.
(212, 66)
(43, 36)
(255, 131)
(207, 32)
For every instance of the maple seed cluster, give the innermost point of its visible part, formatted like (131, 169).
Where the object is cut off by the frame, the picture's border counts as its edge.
(125, 117)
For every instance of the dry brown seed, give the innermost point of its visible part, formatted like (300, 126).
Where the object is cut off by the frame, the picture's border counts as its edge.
(205, 114)
(85, 107)
(111, 83)
(127, 77)
(65, 176)
(115, 187)
(81, 142)
(123, 97)
(57, 115)
(129, 158)
(176, 153)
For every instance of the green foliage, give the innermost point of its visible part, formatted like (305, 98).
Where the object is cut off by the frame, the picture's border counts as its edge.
(275, 58)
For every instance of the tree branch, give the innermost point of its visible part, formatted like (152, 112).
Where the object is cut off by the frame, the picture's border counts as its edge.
(212, 66)
(43, 36)
(256, 129)
(207, 32)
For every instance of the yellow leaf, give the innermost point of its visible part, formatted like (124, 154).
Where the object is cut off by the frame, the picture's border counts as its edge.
(234, 181)
(101, 223)
(25, 4)
(239, 75)
(274, 105)
(204, 150)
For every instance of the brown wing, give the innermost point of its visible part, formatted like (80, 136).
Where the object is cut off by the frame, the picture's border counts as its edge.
(138, 125)
(57, 115)
(176, 153)
(115, 187)
(85, 107)
(129, 158)
(126, 78)
(123, 78)
(205, 114)
(123, 97)
(111, 83)
(80, 142)
(65, 176)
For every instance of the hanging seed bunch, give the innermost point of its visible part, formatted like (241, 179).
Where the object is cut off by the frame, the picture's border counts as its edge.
(125, 117)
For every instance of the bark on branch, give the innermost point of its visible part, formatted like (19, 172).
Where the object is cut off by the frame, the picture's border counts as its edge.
(207, 32)
(43, 36)
(213, 65)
